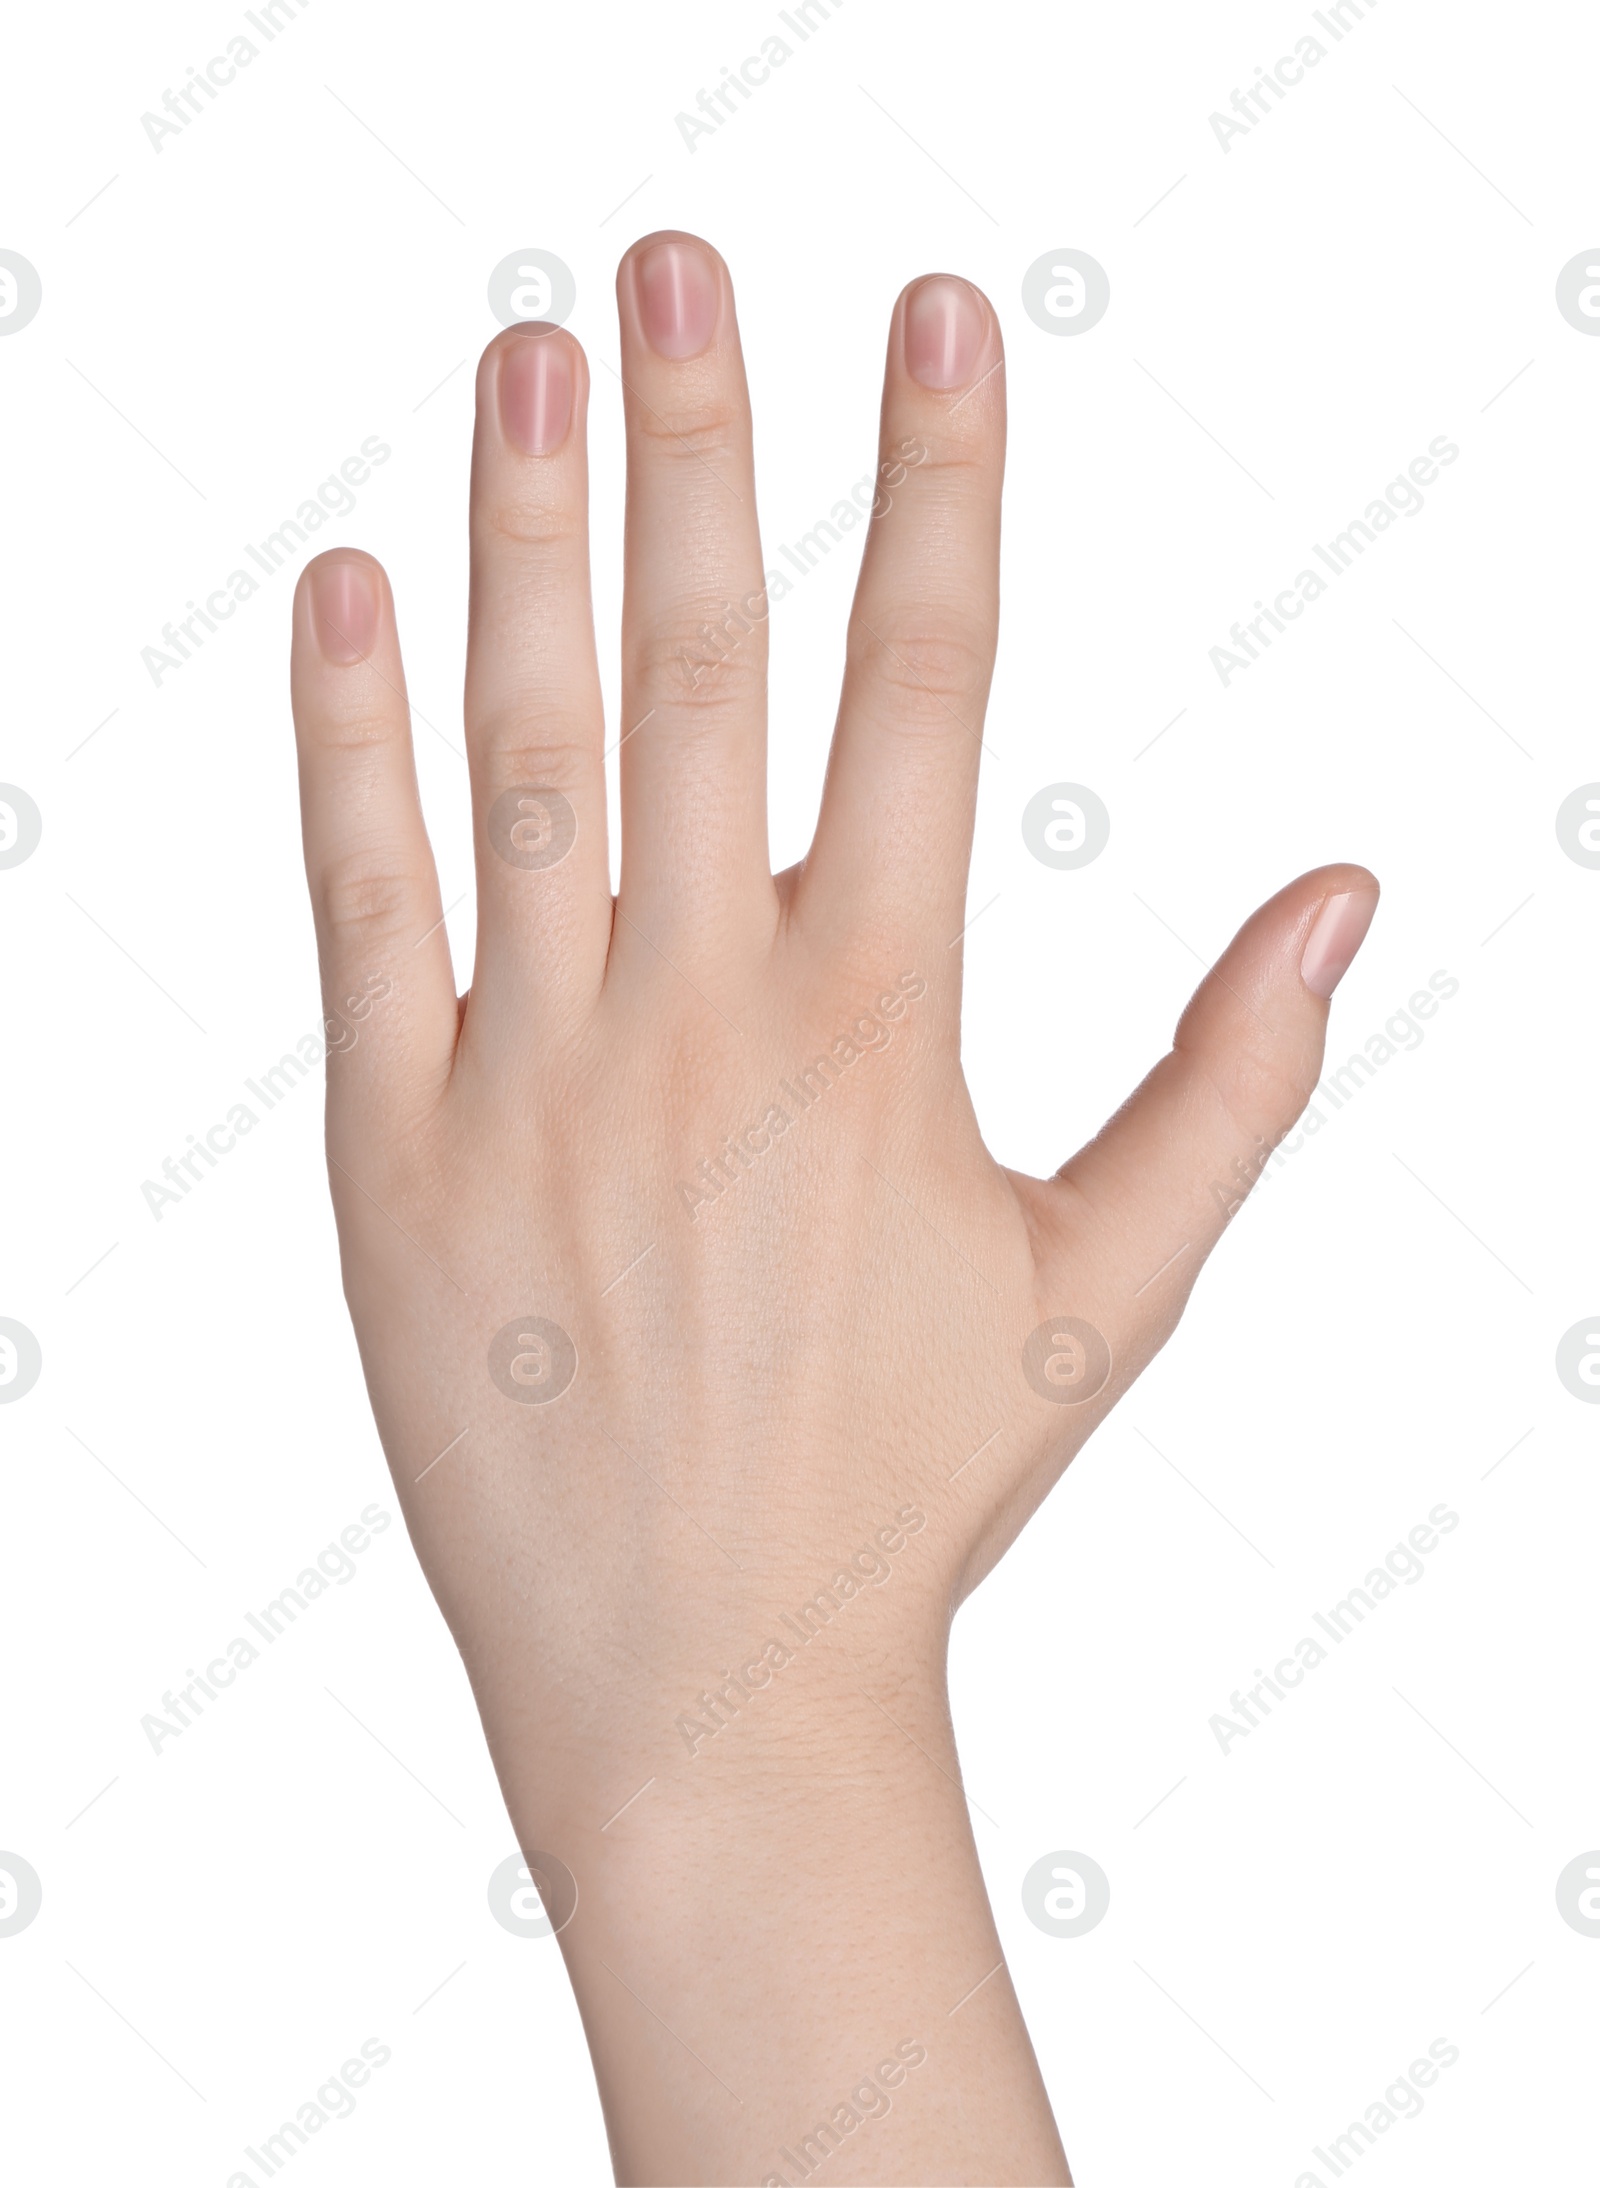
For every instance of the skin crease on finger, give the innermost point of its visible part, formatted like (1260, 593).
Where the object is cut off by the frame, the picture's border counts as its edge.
(714, 1356)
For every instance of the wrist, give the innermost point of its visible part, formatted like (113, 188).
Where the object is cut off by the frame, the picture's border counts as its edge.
(705, 1692)
(815, 1853)
(820, 1888)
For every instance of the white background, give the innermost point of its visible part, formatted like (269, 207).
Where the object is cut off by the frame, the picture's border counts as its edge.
(1294, 321)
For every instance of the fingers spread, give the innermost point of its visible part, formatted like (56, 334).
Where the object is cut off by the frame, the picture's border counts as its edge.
(1152, 1193)
(387, 989)
(533, 710)
(694, 640)
(895, 834)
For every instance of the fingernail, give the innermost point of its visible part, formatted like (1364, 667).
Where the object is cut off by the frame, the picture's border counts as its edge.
(536, 393)
(679, 294)
(1337, 933)
(344, 608)
(944, 333)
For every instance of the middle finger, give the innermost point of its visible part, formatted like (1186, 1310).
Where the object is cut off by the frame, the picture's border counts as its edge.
(695, 868)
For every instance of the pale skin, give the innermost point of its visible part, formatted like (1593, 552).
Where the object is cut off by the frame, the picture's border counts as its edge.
(818, 1340)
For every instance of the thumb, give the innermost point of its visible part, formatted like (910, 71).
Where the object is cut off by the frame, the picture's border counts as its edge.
(1152, 1193)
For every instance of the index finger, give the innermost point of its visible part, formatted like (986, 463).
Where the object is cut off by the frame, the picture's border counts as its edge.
(895, 832)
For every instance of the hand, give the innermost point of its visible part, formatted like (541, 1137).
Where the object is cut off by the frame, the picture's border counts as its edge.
(687, 1292)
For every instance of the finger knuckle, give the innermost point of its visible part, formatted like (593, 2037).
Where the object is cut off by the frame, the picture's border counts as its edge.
(697, 435)
(933, 669)
(360, 902)
(523, 747)
(362, 723)
(710, 667)
(535, 531)
(948, 470)
(1262, 1088)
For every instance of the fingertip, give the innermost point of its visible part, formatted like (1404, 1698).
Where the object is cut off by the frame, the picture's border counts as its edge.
(340, 605)
(949, 333)
(1341, 878)
(674, 294)
(920, 281)
(511, 339)
(1338, 928)
(533, 381)
(1280, 925)
(664, 238)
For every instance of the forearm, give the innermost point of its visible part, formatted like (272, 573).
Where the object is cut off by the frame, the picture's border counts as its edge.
(784, 1954)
